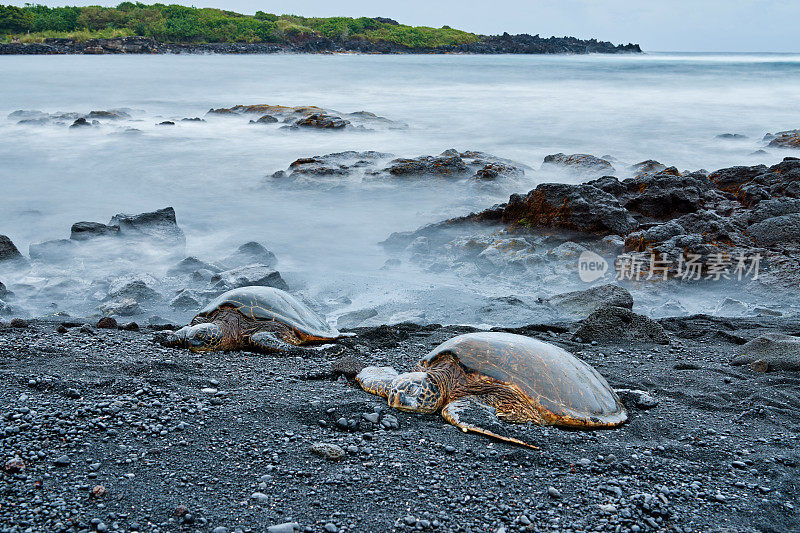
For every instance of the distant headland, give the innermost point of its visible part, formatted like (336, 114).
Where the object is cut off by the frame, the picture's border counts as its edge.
(153, 29)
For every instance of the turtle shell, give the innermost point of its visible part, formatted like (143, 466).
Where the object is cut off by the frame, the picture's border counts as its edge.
(560, 383)
(268, 303)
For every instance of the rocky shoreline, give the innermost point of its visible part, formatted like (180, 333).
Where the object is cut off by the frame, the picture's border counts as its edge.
(104, 429)
(496, 44)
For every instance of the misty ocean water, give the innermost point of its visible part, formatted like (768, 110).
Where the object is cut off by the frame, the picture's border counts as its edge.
(216, 174)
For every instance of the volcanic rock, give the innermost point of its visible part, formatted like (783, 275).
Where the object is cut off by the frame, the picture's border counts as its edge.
(613, 324)
(776, 350)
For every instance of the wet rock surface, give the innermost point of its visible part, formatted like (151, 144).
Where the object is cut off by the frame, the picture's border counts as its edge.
(110, 431)
(784, 139)
(307, 117)
(8, 251)
(581, 162)
(451, 163)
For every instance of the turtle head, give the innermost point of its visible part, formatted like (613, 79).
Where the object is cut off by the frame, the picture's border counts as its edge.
(416, 391)
(202, 337)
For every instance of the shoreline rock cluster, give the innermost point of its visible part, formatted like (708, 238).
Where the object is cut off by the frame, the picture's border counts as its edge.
(662, 212)
(140, 246)
(307, 117)
(450, 164)
(495, 44)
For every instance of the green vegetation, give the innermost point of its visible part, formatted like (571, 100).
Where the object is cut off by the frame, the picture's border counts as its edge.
(174, 23)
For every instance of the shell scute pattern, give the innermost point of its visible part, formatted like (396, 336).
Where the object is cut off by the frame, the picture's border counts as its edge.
(560, 383)
(267, 303)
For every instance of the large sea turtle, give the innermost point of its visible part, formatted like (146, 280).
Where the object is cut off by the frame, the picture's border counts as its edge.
(478, 380)
(260, 319)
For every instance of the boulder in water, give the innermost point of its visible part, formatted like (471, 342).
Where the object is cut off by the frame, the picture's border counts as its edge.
(583, 163)
(83, 231)
(251, 253)
(9, 252)
(157, 227)
(261, 275)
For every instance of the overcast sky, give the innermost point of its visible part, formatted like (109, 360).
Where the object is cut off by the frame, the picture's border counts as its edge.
(658, 25)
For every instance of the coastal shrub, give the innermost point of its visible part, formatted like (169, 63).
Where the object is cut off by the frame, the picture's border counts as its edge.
(55, 19)
(14, 19)
(260, 15)
(177, 23)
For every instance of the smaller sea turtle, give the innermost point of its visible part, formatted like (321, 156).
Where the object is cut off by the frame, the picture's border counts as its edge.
(478, 380)
(259, 319)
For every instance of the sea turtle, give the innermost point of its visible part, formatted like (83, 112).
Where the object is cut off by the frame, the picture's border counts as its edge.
(260, 319)
(478, 380)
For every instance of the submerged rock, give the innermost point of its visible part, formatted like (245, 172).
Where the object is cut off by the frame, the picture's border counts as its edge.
(136, 289)
(251, 253)
(81, 123)
(785, 139)
(157, 227)
(265, 119)
(22, 114)
(354, 318)
(647, 168)
(261, 275)
(446, 164)
(580, 162)
(191, 265)
(52, 251)
(125, 307)
(322, 121)
(450, 163)
(336, 164)
(83, 231)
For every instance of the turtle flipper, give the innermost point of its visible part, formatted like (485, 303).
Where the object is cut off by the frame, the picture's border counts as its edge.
(377, 379)
(270, 342)
(470, 413)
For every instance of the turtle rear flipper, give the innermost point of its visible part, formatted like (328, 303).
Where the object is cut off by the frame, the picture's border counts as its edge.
(470, 413)
(377, 379)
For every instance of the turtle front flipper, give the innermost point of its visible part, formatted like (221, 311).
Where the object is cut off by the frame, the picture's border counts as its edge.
(270, 342)
(470, 413)
(377, 379)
